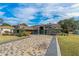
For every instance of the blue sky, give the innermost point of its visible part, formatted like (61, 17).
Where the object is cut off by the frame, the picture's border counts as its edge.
(37, 13)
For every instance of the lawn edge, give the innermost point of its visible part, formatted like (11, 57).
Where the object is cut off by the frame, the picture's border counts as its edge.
(58, 47)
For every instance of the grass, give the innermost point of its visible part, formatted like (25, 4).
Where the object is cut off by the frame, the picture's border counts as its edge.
(4, 39)
(69, 45)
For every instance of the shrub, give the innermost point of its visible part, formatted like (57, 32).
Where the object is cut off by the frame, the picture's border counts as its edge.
(23, 33)
(76, 32)
(6, 33)
(63, 34)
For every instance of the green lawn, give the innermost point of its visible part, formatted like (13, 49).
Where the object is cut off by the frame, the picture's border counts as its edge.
(4, 39)
(69, 45)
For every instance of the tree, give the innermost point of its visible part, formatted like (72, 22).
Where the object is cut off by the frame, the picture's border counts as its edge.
(23, 24)
(6, 24)
(68, 25)
(1, 21)
(77, 24)
(76, 31)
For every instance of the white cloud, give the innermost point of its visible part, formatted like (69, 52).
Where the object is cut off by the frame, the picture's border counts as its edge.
(52, 9)
(58, 9)
(75, 5)
(73, 14)
(1, 13)
(48, 21)
(25, 13)
(11, 20)
(1, 7)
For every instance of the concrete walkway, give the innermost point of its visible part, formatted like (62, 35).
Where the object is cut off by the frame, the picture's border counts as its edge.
(53, 49)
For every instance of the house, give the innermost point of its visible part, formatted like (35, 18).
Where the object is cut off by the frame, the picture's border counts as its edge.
(5, 29)
(47, 29)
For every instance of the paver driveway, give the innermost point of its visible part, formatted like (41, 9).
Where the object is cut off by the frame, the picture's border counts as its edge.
(34, 45)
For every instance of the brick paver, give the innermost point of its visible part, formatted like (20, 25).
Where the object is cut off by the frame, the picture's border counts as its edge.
(31, 46)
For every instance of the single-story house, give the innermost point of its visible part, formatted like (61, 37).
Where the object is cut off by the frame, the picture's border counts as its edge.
(24, 27)
(5, 29)
(39, 29)
(47, 29)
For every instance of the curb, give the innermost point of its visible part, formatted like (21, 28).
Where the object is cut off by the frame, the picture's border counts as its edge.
(58, 48)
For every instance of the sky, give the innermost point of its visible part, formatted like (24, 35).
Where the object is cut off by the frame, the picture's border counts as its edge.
(37, 13)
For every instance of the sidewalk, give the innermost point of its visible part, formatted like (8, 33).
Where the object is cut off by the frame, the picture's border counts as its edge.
(53, 49)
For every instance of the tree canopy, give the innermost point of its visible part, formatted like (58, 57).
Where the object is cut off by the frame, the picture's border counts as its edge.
(68, 25)
(6, 24)
(1, 20)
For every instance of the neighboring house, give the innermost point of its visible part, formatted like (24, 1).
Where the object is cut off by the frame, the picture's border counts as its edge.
(4, 29)
(24, 27)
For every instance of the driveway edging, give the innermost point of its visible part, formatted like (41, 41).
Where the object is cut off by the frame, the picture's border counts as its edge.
(58, 48)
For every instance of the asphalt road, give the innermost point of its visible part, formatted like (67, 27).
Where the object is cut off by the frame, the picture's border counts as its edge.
(52, 50)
